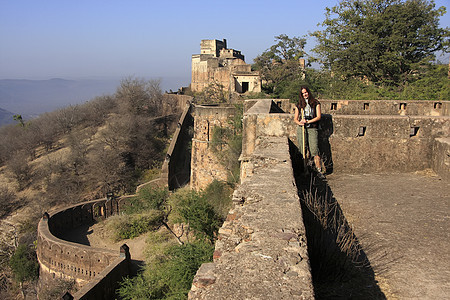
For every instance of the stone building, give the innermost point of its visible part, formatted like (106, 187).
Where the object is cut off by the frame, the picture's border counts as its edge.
(218, 64)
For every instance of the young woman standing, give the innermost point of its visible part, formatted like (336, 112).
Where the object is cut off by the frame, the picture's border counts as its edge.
(307, 116)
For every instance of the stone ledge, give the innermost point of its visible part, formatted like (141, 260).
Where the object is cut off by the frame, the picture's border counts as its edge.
(261, 250)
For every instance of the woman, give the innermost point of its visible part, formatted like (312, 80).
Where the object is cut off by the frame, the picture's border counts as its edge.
(307, 116)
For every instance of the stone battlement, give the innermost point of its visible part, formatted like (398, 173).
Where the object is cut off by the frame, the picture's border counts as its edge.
(62, 259)
(261, 251)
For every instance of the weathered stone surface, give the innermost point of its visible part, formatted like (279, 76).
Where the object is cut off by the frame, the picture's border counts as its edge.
(217, 64)
(360, 143)
(402, 222)
(262, 254)
(205, 166)
(441, 160)
(386, 107)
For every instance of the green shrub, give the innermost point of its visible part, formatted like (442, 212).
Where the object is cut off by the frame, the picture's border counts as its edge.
(147, 198)
(192, 207)
(24, 264)
(150, 174)
(157, 244)
(170, 277)
(182, 265)
(218, 195)
(131, 226)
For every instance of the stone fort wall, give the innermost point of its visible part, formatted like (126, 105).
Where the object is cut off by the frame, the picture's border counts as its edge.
(205, 166)
(62, 259)
(258, 258)
(389, 139)
(357, 136)
(261, 251)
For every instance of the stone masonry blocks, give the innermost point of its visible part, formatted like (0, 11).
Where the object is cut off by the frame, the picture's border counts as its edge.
(261, 250)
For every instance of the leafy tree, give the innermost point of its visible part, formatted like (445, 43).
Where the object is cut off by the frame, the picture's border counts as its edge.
(384, 41)
(170, 274)
(433, 84)
(214, 93)
(280, 64)
(19, 119)
(24, 264)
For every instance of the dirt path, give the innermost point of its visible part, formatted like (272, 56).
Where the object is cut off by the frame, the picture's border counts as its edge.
(403, 222)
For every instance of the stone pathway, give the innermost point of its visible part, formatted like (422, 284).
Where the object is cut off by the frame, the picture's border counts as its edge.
(403, 223)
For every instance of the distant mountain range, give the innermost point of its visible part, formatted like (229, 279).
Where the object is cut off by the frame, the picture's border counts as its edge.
(34, 97)
(6, 117)
(30, 98)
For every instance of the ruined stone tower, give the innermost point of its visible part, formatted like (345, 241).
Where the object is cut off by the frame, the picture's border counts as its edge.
(218, 64)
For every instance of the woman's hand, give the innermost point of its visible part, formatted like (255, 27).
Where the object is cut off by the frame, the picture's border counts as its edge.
(296, 117)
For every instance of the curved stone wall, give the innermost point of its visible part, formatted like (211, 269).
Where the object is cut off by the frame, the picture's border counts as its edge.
(59, 258)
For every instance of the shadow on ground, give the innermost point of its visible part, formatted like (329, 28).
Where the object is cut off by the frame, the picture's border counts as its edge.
(339, 265)
(79, 235)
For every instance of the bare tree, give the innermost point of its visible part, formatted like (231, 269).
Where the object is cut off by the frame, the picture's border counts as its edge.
(20, 169)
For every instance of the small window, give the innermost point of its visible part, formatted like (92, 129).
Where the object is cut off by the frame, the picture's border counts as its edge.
(402, 106)
(366, 106)
(437, 105)
(362, 131)
(413, 131)
(334, 106)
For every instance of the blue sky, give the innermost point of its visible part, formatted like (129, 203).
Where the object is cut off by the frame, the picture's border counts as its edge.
(114, 39)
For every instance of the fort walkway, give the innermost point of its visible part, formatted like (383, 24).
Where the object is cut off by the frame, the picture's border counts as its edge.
(402, 221)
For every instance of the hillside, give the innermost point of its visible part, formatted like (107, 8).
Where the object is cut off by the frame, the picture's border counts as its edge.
(78, 153)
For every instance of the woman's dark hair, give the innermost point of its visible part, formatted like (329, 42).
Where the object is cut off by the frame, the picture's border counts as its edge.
(312, 101)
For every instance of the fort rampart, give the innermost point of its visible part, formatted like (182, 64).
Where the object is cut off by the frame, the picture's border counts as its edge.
(204, 163)
(261, 248)
(261, 251)
(98, 271)
(62, 259)
(356, 137)
(386, 140)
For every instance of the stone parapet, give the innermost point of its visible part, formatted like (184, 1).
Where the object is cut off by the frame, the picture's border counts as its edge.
(441, 157)
(357, 143)
(261, 251)
(386, 107)
(62, 259)
(175, 169)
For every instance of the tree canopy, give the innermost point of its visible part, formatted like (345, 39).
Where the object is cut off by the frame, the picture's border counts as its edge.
(279, 65)
(384, 41)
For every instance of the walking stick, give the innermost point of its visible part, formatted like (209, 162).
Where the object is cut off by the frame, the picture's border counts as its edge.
(304, 144)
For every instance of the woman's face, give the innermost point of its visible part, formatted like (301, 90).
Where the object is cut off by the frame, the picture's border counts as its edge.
(305, 94)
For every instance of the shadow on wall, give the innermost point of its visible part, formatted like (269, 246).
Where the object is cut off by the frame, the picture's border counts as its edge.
(339, 265)
(325, 132)
(180, 157)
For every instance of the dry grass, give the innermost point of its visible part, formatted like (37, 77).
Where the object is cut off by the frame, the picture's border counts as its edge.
(339, 264)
